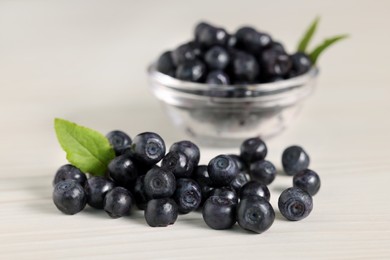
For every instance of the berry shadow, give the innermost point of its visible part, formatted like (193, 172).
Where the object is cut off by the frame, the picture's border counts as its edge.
(279, 216)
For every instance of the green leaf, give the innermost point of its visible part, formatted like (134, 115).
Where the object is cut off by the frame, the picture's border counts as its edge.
(324, 45)
(85, 148)
(306, 38)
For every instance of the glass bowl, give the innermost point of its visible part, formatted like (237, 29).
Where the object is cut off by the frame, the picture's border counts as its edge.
(227, 115)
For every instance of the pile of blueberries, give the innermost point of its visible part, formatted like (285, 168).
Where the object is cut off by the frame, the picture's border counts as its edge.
(231, 188)
(216, 57)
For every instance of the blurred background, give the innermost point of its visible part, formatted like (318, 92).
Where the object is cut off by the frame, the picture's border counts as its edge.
(86, 61)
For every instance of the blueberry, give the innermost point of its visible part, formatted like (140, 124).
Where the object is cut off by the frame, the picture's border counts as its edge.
(194, 71)
(219, 213)
(187, 195)
(119, 141)
(274, 63)
(69, 172)
(69, 197)
(263, 171)
(185, 53)
(295, 204)
(96, 189)
(159, 183)
(207, 35)
(122, 170)
(179, 164)
(239, 161)
(253, 149)
(140, 197)
(165, 64)
(222, 170)
(217, 58)
(255, 214)
(118, 202)
(255, 188)
(225, 192)
(294, 160)
(244, 67)
(202, 177)
(161, 212)
(300, 63)
(188, 148)
(148, 148)
(277, 46)
(217, 77)
(308, 181)
(250, 40)
(239, 181)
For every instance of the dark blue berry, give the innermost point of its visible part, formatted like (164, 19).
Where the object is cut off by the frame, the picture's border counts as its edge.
(222, 170)
(159, 183)
(96, 189)
(161, 212)
(207, 35)
(277, 46)
(188, 148)
(187, 195)
(255, 188)
(217, 58)
(179, 164)
(239, 161)
(255, 214)
(194, 71)
(250, 40)
(165, 64)
(140, 197)
(294, 160)
(217, 77)
(202, 177)
(119, 141)
(69, 197)
(69, 172)
(148, 148)
(308, 181)
(118, 202)
(225, 192)
(301, 64)
(253, 149)
(219, 213)
(263, 171)
(239, 181)
(295, 204)
(122, 170)
(274, 63)
(185, 53)
(244, 67)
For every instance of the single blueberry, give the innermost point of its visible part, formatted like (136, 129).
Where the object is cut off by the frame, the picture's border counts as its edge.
(217, 77)
(277, 46)
(255, 188)
(69, 172)
(249, 39)
(96, 189)
(301, 64)
(207, 35)
(187, 196)
(253, 149)
(119, 141)
(118, 202)
(274, 63)
(188, 148)
(222, 170)
(263, 171)
(194, 71)
(185, 53)
(217, 58)
(165, 64)
(161, 212)
(122, 170)
(240, 180)
(219, 213)
(308, 181)
(244, 67)
(159, 183)
(295, 204)
(179, 164)
(69, 197)
(202, 177)
(138, 191)
(225, 192)
(255, 214)
(294, 160)
(148, 148)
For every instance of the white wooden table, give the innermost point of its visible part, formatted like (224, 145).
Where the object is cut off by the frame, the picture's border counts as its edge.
(85, 61)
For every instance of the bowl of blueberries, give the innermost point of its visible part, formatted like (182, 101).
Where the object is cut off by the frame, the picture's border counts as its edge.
(222, 88)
